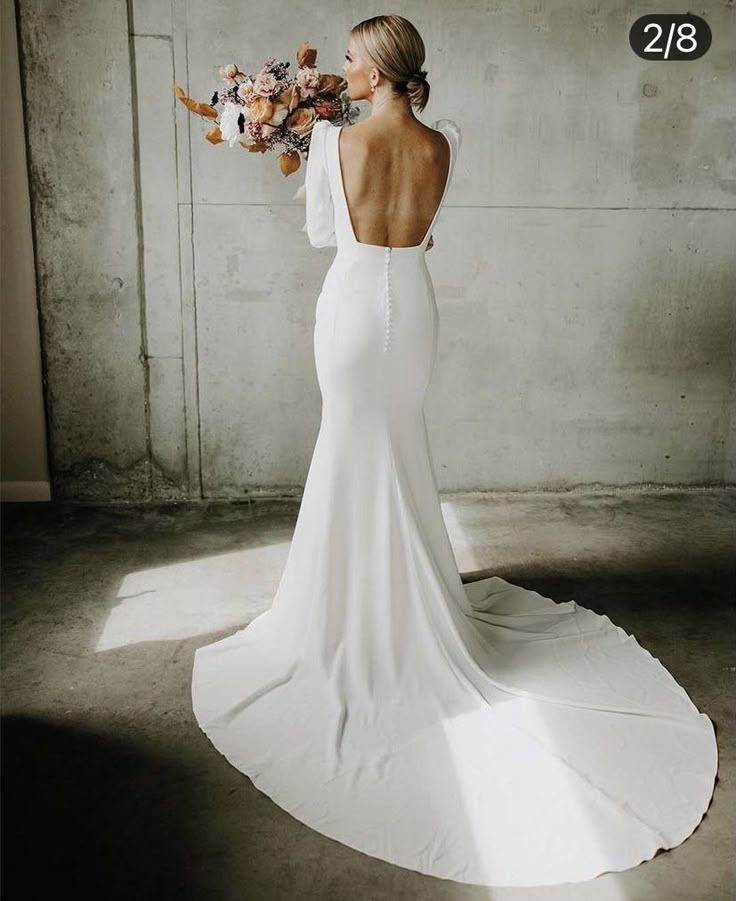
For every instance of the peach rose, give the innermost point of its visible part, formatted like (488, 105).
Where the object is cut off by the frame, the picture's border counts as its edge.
(302, 120)
(290, 97)
(280, 112)
(261, 109)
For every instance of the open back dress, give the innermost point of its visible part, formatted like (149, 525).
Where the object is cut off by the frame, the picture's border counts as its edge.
(477, 732)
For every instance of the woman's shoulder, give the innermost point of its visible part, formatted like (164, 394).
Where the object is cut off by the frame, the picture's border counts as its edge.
(374, 135)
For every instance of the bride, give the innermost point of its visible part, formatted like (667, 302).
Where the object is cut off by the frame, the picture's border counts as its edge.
(477, 732)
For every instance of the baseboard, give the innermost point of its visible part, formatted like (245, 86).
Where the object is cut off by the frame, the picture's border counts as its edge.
(25, 491)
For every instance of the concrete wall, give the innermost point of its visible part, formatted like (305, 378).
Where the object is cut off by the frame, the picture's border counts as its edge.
(23, 456)
(77, 89)
(583, 265)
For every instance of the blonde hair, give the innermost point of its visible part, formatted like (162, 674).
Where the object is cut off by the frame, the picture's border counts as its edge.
(393, 45)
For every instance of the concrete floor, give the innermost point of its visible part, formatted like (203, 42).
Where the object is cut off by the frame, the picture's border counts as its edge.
(111, 790)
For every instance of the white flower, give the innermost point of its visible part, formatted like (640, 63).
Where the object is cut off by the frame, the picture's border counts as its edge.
(229, 122)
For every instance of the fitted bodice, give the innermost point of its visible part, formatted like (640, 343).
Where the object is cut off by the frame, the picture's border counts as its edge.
(328, 216)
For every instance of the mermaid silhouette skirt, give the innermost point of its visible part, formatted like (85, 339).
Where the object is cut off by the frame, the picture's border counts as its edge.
(481, 733)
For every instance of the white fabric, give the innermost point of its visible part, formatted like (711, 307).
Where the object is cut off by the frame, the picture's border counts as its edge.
(482, 732)
(320, 217)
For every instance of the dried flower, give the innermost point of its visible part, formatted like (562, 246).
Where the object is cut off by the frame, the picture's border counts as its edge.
(245, 91)
(302, 120)
(265, 84)
(308, 81)
(289, 162)
(328, 109)
(229, 71)
(274, 109)
(261, 109)
(331, 84)
(306, 55)
(229, 123)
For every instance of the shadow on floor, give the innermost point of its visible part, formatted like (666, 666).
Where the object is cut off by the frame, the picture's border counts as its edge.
(93, 817)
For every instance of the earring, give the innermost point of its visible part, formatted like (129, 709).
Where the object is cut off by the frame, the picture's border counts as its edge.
(373, 87)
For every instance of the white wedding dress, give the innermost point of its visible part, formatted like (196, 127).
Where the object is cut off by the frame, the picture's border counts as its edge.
(482, 732)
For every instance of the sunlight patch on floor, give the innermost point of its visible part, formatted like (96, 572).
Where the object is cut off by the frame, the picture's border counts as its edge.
(194, 597)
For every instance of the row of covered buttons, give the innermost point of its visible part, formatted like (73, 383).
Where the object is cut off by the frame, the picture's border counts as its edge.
(387, 336)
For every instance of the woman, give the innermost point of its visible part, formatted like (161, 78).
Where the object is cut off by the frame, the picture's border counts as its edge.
(480, 732)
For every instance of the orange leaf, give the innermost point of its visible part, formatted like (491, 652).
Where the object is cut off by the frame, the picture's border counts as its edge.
(199, 109)
(289, 161)
(255, 147)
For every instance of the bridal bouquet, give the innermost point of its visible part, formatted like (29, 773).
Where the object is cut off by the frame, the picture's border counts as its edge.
(270, 109)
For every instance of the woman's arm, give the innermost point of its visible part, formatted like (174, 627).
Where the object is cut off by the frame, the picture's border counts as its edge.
(320, 208)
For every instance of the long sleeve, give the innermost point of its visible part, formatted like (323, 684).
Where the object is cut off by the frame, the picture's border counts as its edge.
(320, 215)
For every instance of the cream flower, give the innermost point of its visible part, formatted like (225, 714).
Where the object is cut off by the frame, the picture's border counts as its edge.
(265, 84)
(228, 73)
(308, 81)
(245, 90)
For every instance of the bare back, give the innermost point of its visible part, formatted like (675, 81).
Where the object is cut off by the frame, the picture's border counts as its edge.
(393, 180)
